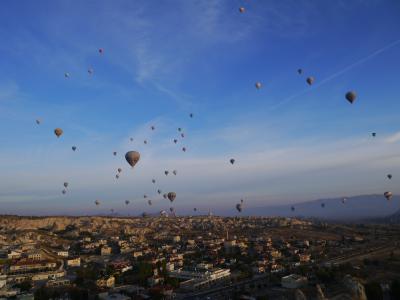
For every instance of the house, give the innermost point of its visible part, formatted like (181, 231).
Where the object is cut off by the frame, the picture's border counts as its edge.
(62, 253)
(36, 255)
(105, 250)
(74, 262)
(106, 282)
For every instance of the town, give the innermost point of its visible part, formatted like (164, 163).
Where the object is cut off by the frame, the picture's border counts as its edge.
(201, 257)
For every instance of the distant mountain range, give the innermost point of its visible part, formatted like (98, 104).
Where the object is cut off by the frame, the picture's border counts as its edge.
(355, 208)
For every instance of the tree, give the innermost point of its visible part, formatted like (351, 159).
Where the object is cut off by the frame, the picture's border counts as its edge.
(373, 290)
(395, 289)
(25, 286)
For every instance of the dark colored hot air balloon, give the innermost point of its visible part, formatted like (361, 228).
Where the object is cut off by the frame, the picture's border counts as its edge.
(38, 121)
(182, 135)
(351, 96)
(153, 181)
(232, 161)
(184, 149)
(144, 215)
(131, 139)
(145, 142)
(171, 209)
(344, 200)
(126, 202)
(66, 75)
(242, 10)
(175, 172)
(159, 191)
(300, 71)
(388, 195)
(90, 71)
(171, 196)
(175, 141)
(322, 205)
(119, 170)
(152, 127)
(165, 196)
(310, 80)
(166, 173)
(117, 176)
(58, 132)
(239, 207)
(144, 196)
(73, 148)
(241, 200)
(64, 192)
(101, 50)
(191, 115)
(132, 157)
(149, 202)
(179, 129)
(65, 184)
(292, 208)
(97, 202)
(374, 134)
(258, 85)
(115, 153)
(389, 176)
(195, 209)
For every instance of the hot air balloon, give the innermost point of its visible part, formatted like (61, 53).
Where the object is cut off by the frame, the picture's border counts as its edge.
(182, 135)
(112, 210)
(117, 176)
(73, 148)
(175, 172)
(232, 161)
(165, 196)
(171, 209)
(258, 85)
(153, 181)
(239, 207)
(191, 115)
(171, 196)
(97, 202)
(175, 141)
(126, 202)
(195, 209)
(38, 121)
(132, 157)
(344, 200)
(159, 191)
(144, 196)
(145, 142)
(115, 153)
(64, 192)
(241, 9)
(58, 132)
(149, 202)
(388, 195)
(65, 184)
(131, 139)
(241, 200)
(144, 215)
(373, 134)
(184, 149)
(166, 173)
(90, 71)
(310, 80)
(179, 129)
(101, 50)
(351, 96)
(152, 127)
(322, 205)
(119, 170)
(292, 208)
(389, 176)
(66, 75)
(300, 71)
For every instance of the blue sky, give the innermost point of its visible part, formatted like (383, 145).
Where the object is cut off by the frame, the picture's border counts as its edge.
(165, 59)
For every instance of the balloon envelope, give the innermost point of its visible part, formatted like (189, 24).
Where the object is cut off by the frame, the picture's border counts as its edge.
(132, 157)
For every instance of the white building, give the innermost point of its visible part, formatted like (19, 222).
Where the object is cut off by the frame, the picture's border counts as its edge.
(62, 253)
(293, 281)
(74, 262)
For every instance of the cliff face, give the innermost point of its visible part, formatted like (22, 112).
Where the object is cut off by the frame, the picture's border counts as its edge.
(61, 223)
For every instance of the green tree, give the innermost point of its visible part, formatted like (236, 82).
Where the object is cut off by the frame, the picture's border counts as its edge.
(373, 291)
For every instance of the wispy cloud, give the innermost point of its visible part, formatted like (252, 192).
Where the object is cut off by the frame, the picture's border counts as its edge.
(394, 138)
